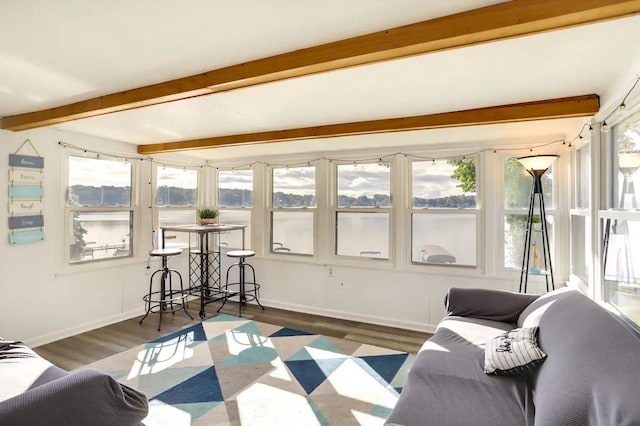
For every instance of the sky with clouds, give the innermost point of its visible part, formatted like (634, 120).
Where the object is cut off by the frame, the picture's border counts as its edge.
(429, 180)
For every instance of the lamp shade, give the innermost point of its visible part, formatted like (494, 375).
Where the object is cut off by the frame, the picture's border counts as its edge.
(629, 160)
(537, 162)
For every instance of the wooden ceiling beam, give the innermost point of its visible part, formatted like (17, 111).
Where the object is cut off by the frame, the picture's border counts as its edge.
(501, 21)
(578, 106)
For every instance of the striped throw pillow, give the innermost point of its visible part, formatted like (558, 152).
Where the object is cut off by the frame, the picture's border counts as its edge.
(513, 352)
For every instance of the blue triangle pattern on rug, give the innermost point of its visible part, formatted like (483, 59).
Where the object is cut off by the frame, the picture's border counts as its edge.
(203, 387)
(244, 367)
(307, 373)
(386, 366)
(195, 333)
(287, 332)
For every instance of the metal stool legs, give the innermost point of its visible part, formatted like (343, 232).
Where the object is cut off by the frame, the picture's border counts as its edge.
(166, 299)
(242, 282)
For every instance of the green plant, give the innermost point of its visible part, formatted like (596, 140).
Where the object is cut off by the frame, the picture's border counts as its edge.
(535, 219)
(208, 213)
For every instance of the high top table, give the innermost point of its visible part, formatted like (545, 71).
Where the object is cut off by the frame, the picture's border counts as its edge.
(204, 263)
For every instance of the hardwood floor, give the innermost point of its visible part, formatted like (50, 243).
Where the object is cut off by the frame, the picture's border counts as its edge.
(82, 349)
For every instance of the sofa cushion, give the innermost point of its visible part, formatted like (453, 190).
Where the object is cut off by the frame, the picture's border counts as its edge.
(447, 384)
(514, 352)
(495, 305)
(22, 369)
(590, 376)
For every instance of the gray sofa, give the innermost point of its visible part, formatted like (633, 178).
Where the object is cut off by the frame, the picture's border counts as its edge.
(591, 374)
(35, 392)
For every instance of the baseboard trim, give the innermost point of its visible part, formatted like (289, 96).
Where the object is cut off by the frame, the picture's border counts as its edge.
(332, 313)
(82, 328)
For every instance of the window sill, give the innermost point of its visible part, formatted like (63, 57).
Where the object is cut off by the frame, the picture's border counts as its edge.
(88, 267)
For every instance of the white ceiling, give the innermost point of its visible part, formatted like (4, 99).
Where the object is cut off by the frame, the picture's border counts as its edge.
(54, 53)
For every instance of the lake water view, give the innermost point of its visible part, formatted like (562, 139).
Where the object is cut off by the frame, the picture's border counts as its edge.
(360, 234)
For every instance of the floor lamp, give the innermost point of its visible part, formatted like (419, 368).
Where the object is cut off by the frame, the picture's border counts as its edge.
(628, 164)
(536, 166)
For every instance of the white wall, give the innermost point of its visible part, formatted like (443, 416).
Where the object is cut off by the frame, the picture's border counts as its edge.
(42, 299)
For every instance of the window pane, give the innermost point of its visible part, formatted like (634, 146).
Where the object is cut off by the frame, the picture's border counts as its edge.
(292, 232)
(579, 260)
(100, 235)
(176, 187)
(172, 218)
(583, 177)
(99, 183)
(444, 239)
(518, 184)
(233, 239)
(294, 187)
(626, 136)
(364, 185)
(363, 234)
(514, 235)
(235, 188)
(622, 268)
(444, 184)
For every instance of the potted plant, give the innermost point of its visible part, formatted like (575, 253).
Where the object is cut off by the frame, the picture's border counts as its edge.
(208, 215)
(537, 225)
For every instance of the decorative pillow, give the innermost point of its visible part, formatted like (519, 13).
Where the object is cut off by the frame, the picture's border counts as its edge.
(513, 352)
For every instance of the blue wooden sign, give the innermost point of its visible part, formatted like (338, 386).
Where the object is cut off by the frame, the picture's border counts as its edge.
(20, 222)
(26, 161)
(26, 237)
(25, 191)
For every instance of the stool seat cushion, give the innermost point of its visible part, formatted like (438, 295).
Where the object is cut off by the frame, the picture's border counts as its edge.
(241, 253)
(165, 252)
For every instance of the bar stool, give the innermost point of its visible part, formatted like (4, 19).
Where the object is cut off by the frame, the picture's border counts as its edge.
(165, 300)
(253, 292)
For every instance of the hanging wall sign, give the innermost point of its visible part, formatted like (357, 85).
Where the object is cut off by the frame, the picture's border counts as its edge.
(26, 237)
(26, 191)
(21, 222)
(24, 176)
(26, 161)
(25, 207)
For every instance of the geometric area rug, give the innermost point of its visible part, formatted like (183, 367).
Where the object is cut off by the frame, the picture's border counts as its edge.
(234, 371)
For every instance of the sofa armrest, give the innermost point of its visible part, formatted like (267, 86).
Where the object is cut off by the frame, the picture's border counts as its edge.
(495, 305)
(80, 398)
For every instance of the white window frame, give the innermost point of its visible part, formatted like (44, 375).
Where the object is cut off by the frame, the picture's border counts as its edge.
(550, 212)
(254, 201)
(133, 210)
(157, 208)
(335, 210)
(609, 188)
(271, 210)
(477, 212)
(582, 212)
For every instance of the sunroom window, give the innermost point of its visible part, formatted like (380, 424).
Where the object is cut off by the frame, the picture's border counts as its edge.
(176, 201)
(622, 222)
(235, 201)
(99, 209)
(518, 184)
(444, 215)
(293, 200)
(363, 210)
